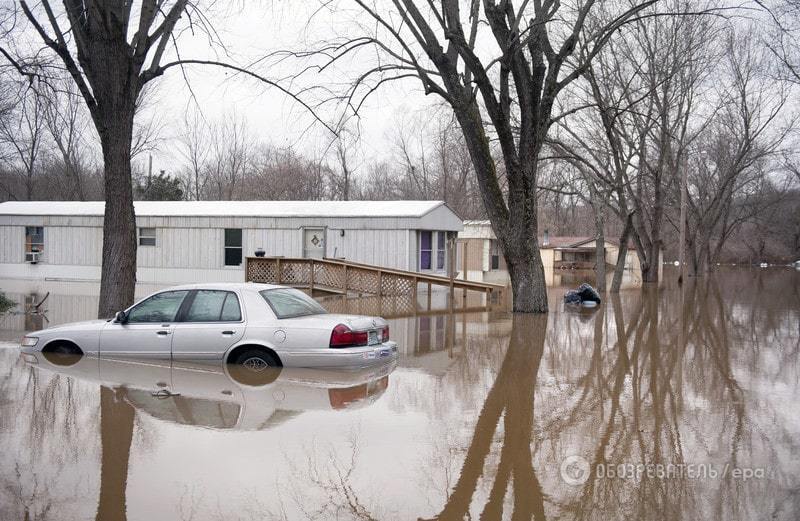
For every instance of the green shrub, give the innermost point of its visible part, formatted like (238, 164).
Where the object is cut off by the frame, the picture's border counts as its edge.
(5, 303)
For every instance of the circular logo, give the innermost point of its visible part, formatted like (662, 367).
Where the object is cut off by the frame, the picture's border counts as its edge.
(575, 470)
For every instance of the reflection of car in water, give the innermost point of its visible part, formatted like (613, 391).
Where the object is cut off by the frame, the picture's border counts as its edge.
(222, 396)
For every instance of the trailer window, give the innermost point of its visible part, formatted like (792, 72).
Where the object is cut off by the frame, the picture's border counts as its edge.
(147, 236)
(233, 247)
(34, 242)
(425, 249)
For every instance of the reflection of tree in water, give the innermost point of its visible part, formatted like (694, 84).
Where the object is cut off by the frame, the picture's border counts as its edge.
(667, 376)
(507, 412)
(44, 433)
(116, 434)
(650, 378)
(510, 398)
(674, 399)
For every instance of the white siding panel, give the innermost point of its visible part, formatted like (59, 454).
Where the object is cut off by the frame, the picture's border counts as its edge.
(12, 244)
(386, 248)
(77, 246)
(275, 242)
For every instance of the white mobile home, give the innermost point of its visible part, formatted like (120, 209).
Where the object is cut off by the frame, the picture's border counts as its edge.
(185, 241)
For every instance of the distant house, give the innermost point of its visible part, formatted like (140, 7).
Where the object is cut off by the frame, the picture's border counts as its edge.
(185, 241)
(478, 255)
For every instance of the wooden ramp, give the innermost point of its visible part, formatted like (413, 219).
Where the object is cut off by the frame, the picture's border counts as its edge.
(341, 276)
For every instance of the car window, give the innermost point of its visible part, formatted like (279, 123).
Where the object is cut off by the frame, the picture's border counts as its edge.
(159, 308)
(230, 308)
(187, 410)
(288, 303)
(214, 306)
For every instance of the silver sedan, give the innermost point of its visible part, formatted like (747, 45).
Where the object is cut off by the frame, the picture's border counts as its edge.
(257, 325)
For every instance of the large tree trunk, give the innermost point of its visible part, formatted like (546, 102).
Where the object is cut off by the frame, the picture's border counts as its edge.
(653, 253)
(528, 283)
(599, 242)
(520, 245)
(619, 269)
(514, 221)
(118, 279)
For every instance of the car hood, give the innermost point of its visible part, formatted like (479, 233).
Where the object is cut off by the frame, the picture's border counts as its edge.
(86, 324)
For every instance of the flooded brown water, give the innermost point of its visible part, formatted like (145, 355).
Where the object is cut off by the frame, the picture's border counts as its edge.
(663, 403)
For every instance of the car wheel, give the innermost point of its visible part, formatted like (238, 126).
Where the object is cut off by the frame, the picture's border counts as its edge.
(255, 367)
(256, 360)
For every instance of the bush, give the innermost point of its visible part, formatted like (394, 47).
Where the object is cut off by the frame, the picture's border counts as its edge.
(5, 303)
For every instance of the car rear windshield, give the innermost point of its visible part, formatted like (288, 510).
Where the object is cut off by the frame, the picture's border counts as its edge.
(289, 303)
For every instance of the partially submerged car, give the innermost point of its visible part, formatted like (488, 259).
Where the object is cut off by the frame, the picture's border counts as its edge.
(222, 396)
(257, 325)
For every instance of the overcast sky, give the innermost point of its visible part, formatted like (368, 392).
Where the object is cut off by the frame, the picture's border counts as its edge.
(249, 33)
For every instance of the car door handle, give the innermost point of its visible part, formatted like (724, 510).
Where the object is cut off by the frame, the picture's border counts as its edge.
(229, 332)
(162, 333)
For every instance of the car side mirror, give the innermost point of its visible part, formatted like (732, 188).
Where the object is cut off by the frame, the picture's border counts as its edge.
(121, 317)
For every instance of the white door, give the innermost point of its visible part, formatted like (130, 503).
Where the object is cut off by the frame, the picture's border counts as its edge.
(147, 332)
(212, 323)
(313, 243)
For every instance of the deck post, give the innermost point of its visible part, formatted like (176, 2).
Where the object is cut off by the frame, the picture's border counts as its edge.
(311, 261)
(414, 293)
(464, 259)
(380, 283)
(345, 280)
(429, 296)
(278, 270)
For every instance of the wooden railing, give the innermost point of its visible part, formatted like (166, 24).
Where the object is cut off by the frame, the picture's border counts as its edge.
(340, 276)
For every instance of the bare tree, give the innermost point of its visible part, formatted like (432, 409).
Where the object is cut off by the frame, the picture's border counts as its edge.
(194, 150)
(67, 128)
(110, 54)
(231, 147)
(112, 49)
(22, 133)
(644, 89)
(509, 62)
(343, 177)
(734, 152)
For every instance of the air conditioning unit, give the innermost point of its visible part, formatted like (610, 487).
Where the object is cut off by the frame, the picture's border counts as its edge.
(33, 257)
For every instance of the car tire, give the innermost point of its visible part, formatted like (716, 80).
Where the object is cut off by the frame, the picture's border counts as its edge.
(255, 367)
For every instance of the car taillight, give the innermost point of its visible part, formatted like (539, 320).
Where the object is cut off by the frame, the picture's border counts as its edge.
(343, 336)
(385, 334)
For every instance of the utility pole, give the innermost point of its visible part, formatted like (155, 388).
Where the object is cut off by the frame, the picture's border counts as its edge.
(150, 172)
(682, 227)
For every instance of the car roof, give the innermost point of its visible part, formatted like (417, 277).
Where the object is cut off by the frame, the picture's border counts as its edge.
(230, 286)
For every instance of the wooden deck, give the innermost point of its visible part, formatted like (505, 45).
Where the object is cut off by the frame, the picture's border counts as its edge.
(344, 277)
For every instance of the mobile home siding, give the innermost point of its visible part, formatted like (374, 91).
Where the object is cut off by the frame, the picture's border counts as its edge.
(191, 247)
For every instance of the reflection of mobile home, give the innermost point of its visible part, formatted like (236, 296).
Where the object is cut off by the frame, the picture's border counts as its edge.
(196, 241)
